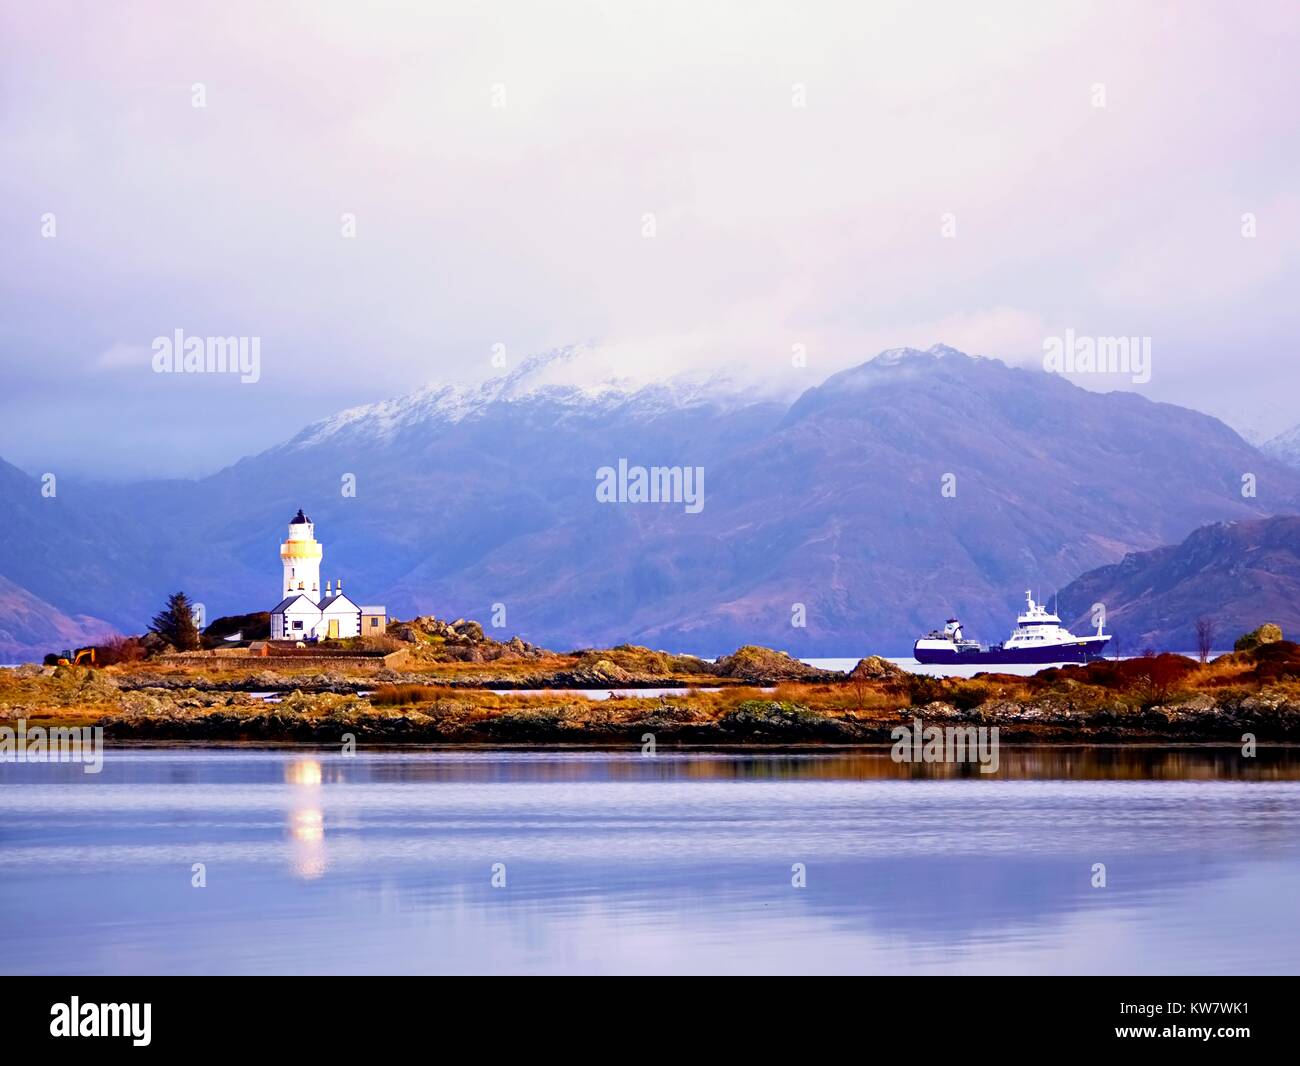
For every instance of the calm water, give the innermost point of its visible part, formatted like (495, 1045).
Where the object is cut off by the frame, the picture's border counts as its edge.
(679, 863)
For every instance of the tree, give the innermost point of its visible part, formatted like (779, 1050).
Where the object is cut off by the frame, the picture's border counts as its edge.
(1206, 631)
(175, 623)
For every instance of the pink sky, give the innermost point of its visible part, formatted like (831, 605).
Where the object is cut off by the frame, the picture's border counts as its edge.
(522, 225)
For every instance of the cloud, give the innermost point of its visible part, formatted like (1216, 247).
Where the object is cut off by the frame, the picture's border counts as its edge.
(123, 356)
(775, 225)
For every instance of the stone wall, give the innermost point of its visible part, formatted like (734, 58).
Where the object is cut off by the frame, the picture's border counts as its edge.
(274, 662)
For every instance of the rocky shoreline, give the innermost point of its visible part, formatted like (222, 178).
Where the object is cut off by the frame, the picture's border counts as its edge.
(761, 723)
(191, 714)
(743, 700)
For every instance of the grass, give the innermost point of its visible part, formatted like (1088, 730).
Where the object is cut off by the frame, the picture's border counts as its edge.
(408, 695)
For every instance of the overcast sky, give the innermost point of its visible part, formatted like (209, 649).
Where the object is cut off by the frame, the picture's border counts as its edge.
(524, 225)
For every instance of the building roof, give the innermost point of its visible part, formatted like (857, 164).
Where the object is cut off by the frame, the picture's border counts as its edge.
(289, 601)
(299, 519)
(373, 610)
(330, 601)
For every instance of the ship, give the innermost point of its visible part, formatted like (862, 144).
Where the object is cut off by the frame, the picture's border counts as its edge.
(1038, 637)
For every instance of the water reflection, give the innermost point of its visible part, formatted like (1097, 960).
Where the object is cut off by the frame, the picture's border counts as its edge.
(1017, 763)
(678, 863)
(303, 772)
(306, 819)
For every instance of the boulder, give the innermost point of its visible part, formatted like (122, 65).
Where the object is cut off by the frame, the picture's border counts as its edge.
(471, 631)
(754, 663)
(875, 668)
(1268, 633)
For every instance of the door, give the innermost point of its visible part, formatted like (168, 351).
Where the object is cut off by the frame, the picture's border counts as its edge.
(334, 628)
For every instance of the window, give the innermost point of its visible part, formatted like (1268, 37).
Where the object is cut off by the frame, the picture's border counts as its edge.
(297, 624)
(374, 622)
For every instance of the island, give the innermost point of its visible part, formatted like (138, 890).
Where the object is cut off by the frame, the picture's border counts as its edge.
(431, 681)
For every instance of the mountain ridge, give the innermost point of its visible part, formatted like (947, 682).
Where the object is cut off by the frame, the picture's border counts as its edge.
(1237, 574)
(834, 501)
(29, 626)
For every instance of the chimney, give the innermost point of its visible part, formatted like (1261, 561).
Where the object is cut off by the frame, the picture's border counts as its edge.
(327, 588)
(339, 586)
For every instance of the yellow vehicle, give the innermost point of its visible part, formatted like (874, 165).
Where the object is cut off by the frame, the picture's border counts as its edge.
(78, 657)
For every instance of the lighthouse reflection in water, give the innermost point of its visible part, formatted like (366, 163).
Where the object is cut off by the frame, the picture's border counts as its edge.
(306, 818)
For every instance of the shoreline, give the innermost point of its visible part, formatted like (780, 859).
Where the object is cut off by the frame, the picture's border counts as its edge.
(633, 750)
(754, 723)
(759, 699)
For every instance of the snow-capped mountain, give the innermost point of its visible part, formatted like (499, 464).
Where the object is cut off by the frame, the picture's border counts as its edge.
(576, 379)
(897, 492)
(1285, 447)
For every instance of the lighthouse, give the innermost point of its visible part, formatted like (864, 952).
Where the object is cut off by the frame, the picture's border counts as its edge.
(304, 612)
(301, 555)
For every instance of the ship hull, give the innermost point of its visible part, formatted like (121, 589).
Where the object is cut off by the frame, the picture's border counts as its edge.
(1078, 651)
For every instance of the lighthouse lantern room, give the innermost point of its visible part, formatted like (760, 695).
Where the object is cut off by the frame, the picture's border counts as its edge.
(301, 555)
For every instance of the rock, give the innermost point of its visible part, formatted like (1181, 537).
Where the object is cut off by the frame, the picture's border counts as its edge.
(773, 721)
(595, 675)
(875, 668)
(1263, 703)
(1268, 633)
(146, 703)
(460, 641)
(1201, 703)
(471, 630)
(753, 663)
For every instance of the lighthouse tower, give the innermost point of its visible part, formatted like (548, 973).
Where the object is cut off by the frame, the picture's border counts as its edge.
(301, 555)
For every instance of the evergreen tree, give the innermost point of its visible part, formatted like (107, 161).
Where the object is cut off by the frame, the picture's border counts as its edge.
(175, 623)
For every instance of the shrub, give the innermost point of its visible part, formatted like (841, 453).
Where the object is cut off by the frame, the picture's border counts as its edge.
(1276, 661)
(1277, 651)
(969, 695)
(381, 642)
(1154, 677)
(120, 650)
(404, 695)
(922, 689)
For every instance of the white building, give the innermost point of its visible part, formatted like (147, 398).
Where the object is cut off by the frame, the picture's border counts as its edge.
(304, 613)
